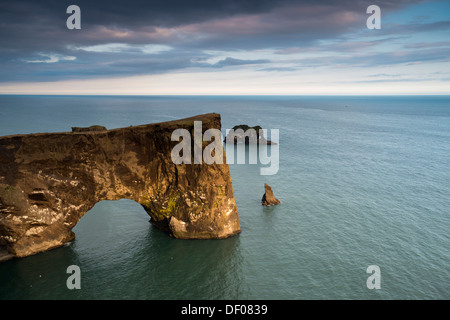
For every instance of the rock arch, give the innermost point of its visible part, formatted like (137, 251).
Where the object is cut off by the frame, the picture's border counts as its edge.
(48, 181)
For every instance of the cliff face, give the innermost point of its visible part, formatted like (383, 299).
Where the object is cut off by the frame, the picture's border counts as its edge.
(48, 181)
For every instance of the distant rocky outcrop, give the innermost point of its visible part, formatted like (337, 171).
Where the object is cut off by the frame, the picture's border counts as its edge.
(245, 134)
(48, 181)
(268, 198)
(87, 129)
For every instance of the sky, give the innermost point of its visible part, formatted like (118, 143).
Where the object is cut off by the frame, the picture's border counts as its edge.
(232, 47)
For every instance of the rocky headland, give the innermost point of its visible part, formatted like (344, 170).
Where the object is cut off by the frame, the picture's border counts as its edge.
(48, 181)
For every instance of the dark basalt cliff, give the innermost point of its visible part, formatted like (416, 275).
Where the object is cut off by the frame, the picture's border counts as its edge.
(48, 181)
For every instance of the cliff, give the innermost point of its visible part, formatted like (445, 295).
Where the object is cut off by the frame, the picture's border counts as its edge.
(48, 181)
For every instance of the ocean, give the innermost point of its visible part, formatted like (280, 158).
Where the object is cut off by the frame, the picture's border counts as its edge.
(363, 180)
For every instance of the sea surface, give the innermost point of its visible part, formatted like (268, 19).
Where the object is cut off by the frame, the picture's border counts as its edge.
(363, 180)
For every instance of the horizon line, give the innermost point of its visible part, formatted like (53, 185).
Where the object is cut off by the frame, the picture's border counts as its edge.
(221, 95)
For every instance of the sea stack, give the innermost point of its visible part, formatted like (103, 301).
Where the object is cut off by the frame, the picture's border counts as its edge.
(48, 181)
(248, 135)
(268, 198)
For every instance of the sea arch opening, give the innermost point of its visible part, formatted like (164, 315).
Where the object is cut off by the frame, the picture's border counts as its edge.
(113, 229)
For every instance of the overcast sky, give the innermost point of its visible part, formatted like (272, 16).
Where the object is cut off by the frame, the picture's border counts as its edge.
(225, 47)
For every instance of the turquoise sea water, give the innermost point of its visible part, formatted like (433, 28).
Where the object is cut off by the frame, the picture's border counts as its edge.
(363, 181)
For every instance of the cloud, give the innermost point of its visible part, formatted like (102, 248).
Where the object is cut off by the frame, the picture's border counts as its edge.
(51, 58)
(124, 47)
(125, 38)
(279, 69)
(428, 44)
(389, 75)
(373, 59)
(227, 62)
